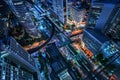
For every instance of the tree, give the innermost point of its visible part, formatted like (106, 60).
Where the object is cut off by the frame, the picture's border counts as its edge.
(99, 57)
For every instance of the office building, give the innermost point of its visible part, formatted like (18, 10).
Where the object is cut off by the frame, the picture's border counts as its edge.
(15, 62)
(99, 25)
(112, 29)
(76, 13)
(65, 75)
(93, 40)
(60, 69)
(112, 49)
(59, 7)
(111, 52)
(58, 55)
(20, 11)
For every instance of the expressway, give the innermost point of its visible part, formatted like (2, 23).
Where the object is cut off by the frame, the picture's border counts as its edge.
(54, 26)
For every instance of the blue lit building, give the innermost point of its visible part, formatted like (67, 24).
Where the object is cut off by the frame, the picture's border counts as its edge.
(111, 51)
(59, 7)
(60, 69)
(20, 10)
(103, 14)
(110, 48)
(15, 62)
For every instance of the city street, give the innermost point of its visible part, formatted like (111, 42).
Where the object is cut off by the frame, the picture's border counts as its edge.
(59, 39)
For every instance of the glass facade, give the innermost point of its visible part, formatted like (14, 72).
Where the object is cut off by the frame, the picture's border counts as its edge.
(10, 71)
(108, 49)
(20, 10)
(94, 16)
(91, 42)
(17, 49)
(70, 52)
(113, 29)
(15, 62)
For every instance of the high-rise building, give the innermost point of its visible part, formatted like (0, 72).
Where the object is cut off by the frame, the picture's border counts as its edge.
(102, 24)
(59, 7)
(15, 62)
(110, 49)
(112, 28)
(19, 9)
(60, 70)
(65, 75)
(76, 13)
(111, 52)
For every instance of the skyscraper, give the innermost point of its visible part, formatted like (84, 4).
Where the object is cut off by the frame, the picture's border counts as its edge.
(15, 62)
(103, 21)
(112, 29)
(59, 7)
(20, 11)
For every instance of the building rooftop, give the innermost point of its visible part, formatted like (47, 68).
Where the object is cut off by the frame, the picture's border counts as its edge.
(97, 35)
